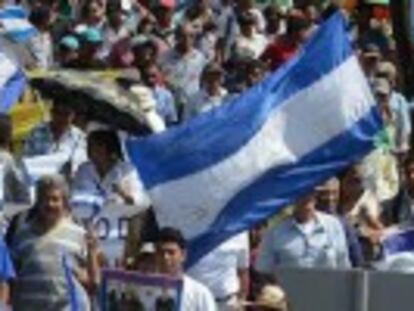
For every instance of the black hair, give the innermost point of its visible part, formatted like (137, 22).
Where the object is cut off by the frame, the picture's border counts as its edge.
(246, 19)
(172, 235)
(147, 44)
(255, 64)
(329, 11)
(296, 24)
(39, 16)
(107, 138)
(409, 159)
(271, 10)
(6, 130)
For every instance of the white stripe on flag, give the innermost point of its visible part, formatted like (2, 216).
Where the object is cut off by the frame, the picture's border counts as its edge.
(297, 127)
(16, 24)
(8, 69)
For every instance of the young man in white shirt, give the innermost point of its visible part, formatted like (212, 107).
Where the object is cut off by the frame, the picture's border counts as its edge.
(249, 42)
(225, 271)
(211, 95)
(171, 254)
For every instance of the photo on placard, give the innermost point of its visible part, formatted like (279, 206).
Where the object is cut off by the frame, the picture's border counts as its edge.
(132, 291)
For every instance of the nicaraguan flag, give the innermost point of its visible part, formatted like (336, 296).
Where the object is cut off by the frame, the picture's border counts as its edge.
(234, 167)
(78, 298)
(15, 25)
(12, 82)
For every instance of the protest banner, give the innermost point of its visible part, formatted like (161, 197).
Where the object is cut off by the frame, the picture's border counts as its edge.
(109, 221)
(127, 290)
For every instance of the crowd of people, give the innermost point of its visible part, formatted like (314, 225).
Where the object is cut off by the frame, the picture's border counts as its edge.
(194, 56)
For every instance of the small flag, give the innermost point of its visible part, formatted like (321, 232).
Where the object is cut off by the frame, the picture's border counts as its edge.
(12, 82)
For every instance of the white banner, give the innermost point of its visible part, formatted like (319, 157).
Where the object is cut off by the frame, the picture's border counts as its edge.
(39, 166)
(110, 224)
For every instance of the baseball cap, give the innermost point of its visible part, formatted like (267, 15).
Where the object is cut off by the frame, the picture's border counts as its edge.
(92, 35)
(147, 248)
(271, 297)
(70, 42)
(165, 3)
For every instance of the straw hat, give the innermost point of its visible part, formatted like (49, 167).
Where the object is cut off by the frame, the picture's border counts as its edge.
(271, 297)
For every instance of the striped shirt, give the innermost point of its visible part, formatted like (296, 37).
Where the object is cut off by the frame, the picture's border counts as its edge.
(41, 282)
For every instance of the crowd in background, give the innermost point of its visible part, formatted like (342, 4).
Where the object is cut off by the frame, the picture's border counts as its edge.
(195, 56)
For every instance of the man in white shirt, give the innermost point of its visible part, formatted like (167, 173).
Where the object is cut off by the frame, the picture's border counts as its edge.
(183, 65)
(211, 95)
(58, 136)
(171, 254)
(225, 271)
(249, 42)
(41, 44)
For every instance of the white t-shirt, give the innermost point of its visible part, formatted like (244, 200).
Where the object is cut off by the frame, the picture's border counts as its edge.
(253, 46)
(123, 174)
(196, 297)
(218, 269)
(203, 102)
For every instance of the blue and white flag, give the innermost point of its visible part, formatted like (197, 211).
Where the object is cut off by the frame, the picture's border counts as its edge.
(12, 82)
(399, 242)
(398, 249)
(78, 299)
(234, 167)
(14, 24)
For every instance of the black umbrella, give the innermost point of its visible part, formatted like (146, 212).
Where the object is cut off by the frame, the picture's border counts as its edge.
(100, 99)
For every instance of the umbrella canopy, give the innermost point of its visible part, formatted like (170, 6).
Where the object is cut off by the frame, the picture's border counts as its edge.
(100, 99)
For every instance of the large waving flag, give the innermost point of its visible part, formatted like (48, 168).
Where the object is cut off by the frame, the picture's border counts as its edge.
(12, 82)
(234, 167)
(15, 25)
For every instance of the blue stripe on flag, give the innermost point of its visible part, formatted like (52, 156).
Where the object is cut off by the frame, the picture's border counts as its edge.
(11, 91)
(399, 242)
(184, 150)
(281, 186)
(13, 12)
(21, 36)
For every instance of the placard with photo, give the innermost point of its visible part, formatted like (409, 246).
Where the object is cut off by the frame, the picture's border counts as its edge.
(133, 291)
